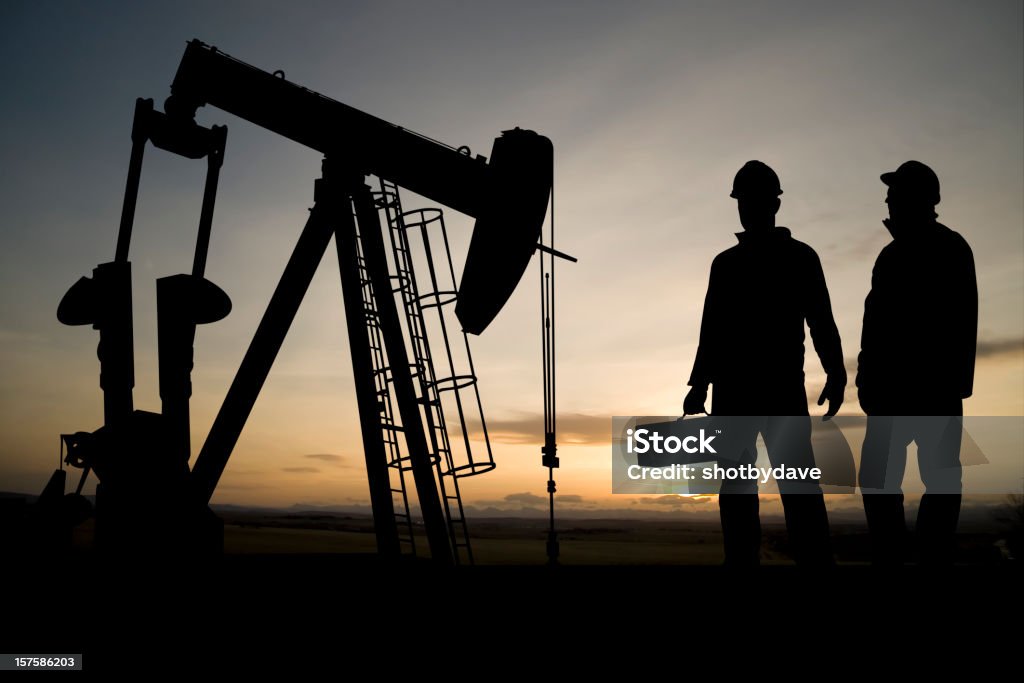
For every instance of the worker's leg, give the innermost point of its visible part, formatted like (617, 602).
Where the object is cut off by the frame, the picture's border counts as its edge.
(738, 503)
(938, 456)
(882, 464)
(788, 440)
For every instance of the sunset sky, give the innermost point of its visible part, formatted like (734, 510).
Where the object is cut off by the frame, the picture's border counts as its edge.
(651, 106)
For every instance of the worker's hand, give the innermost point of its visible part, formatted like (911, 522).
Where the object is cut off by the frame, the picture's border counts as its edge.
(834, 392)
(694, 401)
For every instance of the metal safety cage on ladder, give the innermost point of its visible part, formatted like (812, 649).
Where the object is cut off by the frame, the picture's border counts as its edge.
(457, 386)
(447, 398)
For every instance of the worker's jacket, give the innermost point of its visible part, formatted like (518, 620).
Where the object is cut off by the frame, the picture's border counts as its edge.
(920, 329)
(752, 332)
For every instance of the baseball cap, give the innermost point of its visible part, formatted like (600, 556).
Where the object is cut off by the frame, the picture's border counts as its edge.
(914, 179)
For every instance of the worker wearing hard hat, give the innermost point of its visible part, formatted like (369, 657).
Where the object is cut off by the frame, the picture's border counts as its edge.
(915, 367)
(751, 351)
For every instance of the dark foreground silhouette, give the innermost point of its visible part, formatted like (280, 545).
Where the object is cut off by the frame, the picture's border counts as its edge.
(751, 350)
(916, 366)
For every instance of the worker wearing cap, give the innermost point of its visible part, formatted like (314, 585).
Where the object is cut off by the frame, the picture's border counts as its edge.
(760, 293)
(916, 365)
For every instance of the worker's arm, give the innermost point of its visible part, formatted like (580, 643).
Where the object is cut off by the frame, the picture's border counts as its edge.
(825, 336)
(874, 349)
(966, 332)
(703, 364)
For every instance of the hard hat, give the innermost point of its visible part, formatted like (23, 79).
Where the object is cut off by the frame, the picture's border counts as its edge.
(914, 179)
(755, 179)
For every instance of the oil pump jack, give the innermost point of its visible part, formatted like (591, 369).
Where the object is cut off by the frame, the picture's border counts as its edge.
(148, 497)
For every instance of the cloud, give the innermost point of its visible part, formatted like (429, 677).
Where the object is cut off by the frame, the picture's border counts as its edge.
(677, 500)
(863, 247)
(234, 486)
(247, 473)
(532, 499)
(328, 457)
(528, 428)
(300, 469)
(990, 348)
(525, 498)
(20, 337)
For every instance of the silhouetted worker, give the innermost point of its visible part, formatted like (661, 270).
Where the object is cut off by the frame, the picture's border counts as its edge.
(752, 351)
(916, 366)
